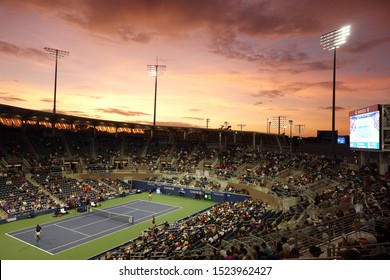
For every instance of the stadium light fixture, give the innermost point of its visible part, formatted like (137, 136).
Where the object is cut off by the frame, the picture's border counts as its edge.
(332, 41)
(155, 70)
(268, 121)
(279, 122)
(241, 125)
(269, 125)
(291, 123)
(301, 129)
(57, 54)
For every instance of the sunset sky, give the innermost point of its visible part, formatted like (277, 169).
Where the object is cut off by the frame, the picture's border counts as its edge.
(235, 61)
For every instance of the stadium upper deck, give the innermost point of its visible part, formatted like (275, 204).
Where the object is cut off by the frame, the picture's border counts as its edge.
(81, 136)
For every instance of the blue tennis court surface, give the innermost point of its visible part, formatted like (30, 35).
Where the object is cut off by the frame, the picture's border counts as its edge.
(65, 234)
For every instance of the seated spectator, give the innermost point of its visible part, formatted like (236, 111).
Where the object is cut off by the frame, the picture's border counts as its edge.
(350, 254)
(294, 253)
(316, 252)
(59, 212)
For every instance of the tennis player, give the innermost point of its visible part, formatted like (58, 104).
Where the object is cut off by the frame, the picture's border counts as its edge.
(38, 231)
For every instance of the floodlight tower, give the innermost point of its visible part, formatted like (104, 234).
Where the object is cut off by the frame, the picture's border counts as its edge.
(291, 123)
(207, 122)
(57, 54)
(269, 125)
(332, 41)
(268, 122)
(241, 125)
(279, 122)
(155, 70)
(301, 129)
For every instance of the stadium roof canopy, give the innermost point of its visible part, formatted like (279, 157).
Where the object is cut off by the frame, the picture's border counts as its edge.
(22, 114)
(17, 117)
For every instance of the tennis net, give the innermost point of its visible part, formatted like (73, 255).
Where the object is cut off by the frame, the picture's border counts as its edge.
(111, 215)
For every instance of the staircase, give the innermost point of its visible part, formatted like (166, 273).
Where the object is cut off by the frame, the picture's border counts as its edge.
(33, 182)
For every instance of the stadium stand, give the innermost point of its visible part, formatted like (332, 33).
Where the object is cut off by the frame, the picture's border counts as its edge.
(301, 203)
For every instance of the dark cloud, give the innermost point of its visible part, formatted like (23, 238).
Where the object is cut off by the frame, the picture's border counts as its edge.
(12, 81)
(142, 37)
(340, 86)
(72, 113)
(48, 100)
(12, 99)
(281, 90)
(76, 112)
(361, 47)
(337, 108)
(8, 97)
(288, 89)
(162, 123)
(228, 44)
(142, 20)
(18, 51)
(236, 29)
(269, 93)
(318, 65)
(194, 118)
(298, 67)
(121, 112)
(292, 110)
(178, 124)
(80, 88)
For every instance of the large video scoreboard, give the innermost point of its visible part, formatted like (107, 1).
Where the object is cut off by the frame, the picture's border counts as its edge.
(364, 128)
(369, 128)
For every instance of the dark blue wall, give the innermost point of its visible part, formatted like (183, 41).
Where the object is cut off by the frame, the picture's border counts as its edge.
(195, 193)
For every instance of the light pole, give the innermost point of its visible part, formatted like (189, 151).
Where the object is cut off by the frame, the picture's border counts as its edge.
(301, 128)
(207, 122)
(291, 123)
(268, 121)
(331, 41)
(155, 70)
(241, 125)
(278, 122)
(269, 125)
(57, 54)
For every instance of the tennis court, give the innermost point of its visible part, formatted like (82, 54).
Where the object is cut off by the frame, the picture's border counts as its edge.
(64, 234)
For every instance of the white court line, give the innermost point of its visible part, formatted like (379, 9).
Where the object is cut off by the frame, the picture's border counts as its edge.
(147, 201)
(30, 244)
(72, 230)
(81, 216)
(173, 208)
(143, 219)
(66, 219)
(100, 232)
(135, 209)
(96, 222)
(152, 213)
(143, 201)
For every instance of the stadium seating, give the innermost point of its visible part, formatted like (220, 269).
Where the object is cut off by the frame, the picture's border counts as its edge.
(313, 198)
